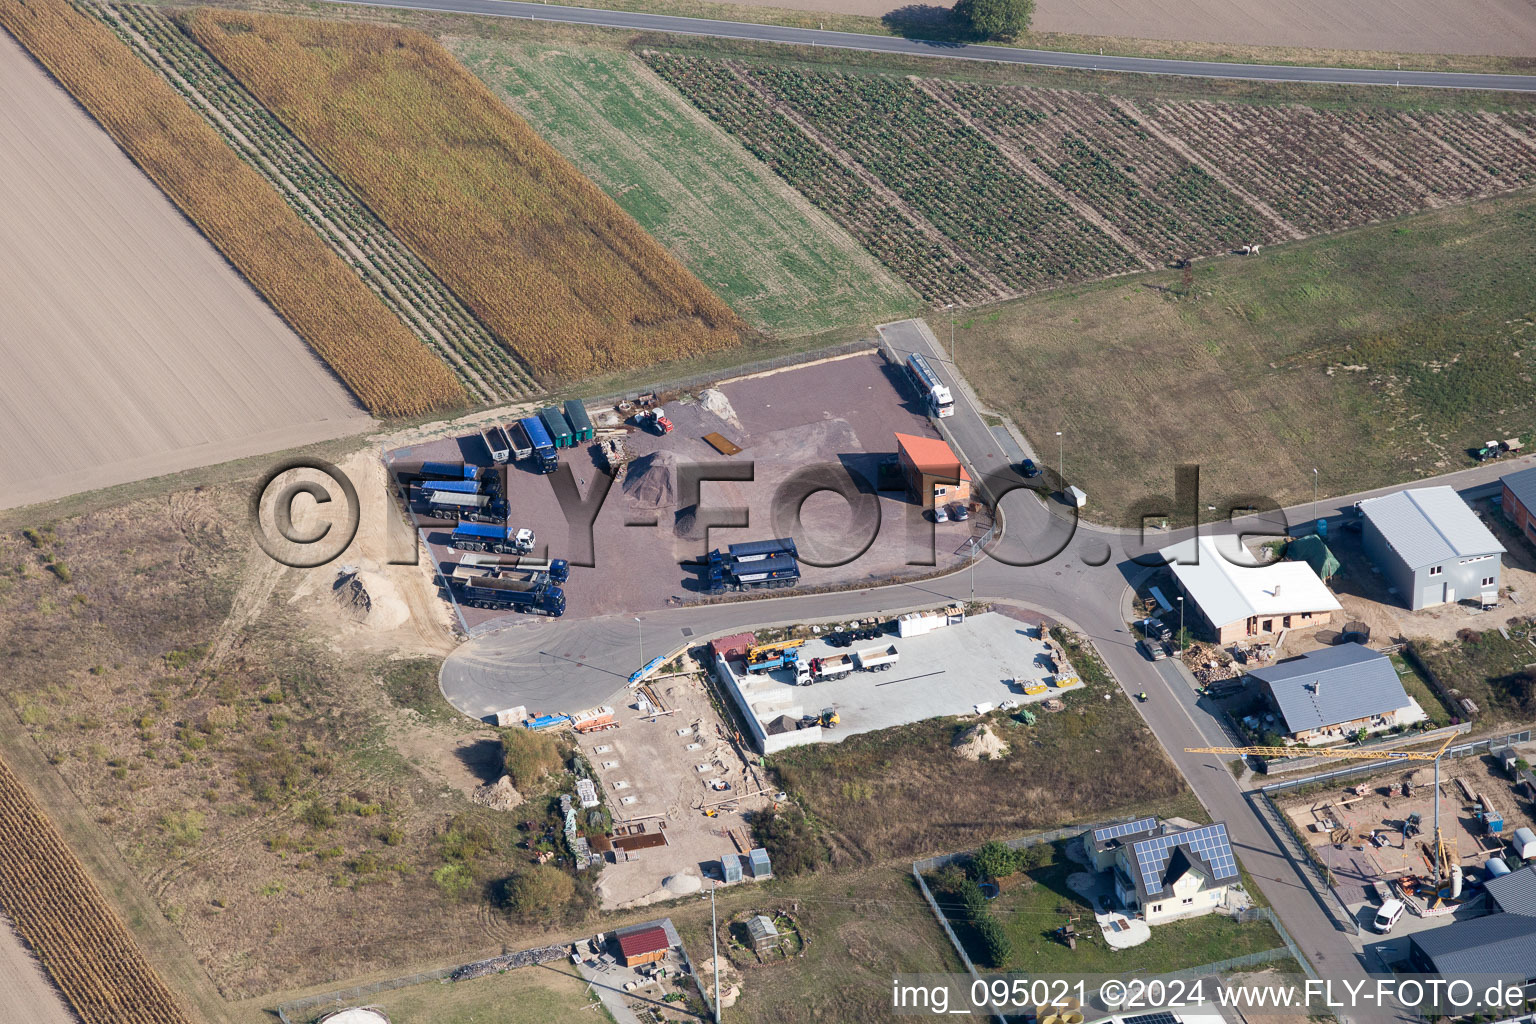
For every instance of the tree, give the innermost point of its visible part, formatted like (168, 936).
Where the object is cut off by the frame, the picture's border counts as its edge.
(994, 860)
(539, 894)
(995, 945)
(995, 19)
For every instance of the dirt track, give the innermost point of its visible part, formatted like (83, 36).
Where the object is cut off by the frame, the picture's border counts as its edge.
(131, 348)
(24, 989)
(1484, 27)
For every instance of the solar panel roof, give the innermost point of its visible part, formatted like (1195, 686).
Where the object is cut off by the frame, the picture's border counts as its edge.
(1209, 843)
(1125, 828)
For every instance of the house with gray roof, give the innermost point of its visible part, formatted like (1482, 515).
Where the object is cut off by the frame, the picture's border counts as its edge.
(1519, 496)
(1431, 547)
(1165, 872)
(1499, 946)
(1333, 693)
(1514, 893)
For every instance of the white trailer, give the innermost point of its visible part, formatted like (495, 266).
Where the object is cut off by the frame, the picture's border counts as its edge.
(873, 659)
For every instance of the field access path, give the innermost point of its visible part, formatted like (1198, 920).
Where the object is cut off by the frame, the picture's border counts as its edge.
(675, 25)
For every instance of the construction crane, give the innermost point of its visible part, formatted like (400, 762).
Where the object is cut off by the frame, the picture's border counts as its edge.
(1443, 858)
(772, 655)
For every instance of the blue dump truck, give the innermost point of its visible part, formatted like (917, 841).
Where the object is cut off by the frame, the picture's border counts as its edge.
(504, 540)
(558, 569)
(559, 430)
(538, 594)
(581, 423)
(753, 565)
(484, 484)
(543, 444)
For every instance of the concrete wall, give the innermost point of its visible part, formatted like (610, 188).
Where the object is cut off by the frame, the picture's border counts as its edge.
(745, 699)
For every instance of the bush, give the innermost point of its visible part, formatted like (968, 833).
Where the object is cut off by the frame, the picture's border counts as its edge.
(454, 880)
(995, 19)
(792, 842)
(540, 894)
(528, 756)
(995, 946)
(317, 815)
(992, 861)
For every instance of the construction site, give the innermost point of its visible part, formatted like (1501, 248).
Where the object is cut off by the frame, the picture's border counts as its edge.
(679, 786)
(667, 477)
(1376, 835)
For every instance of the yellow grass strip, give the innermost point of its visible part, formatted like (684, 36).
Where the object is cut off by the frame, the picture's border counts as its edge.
(329, 306)
(59, 912)
(553, 266)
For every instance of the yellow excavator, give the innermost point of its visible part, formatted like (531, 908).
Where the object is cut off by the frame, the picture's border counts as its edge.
(1443, 855)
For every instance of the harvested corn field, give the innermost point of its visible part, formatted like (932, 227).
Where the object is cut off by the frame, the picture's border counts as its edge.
(972, 192)
(61, 915)
(546, 261)
(484, 367)
(328, 305)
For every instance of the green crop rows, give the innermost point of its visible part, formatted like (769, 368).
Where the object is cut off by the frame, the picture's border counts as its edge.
(484, 366)
(1028, 188)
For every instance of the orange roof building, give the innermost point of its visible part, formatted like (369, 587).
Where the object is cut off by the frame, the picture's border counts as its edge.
(934, 475)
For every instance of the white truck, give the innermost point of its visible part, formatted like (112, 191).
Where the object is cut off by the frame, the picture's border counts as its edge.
(834, 667)
(873, 659)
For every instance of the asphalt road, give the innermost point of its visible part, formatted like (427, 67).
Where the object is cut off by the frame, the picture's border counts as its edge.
(965, 51)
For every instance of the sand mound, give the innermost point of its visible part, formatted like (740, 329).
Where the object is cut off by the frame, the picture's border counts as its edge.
(713, 400)
(499, 795)
(682, 885)
(651, 481)
(685, 524)
(369, 598)
(979, 740)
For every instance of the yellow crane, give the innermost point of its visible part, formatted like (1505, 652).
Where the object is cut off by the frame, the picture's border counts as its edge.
(762, 653)
(1443, 858)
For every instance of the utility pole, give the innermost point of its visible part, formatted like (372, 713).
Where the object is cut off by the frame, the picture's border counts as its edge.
(714, 931)
(1061, 460)
(641, 629)
(1314, 497)
(1181, 627)
(951, 307)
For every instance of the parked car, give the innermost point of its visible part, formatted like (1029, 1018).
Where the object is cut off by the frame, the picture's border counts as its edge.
(1029, 469)
(1155, 649)
(958, 513)
(939, 514)
(1388, 916)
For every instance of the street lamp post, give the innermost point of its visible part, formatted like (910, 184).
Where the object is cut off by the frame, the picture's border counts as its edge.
(1314, 497)
(951, 307)
(1181, 627)
(1061, 460)
(641, 630)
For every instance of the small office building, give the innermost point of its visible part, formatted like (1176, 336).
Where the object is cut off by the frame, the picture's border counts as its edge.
(933, 474)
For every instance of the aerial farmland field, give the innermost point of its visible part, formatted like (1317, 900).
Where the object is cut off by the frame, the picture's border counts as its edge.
(551, 265)
(781, 263)
(975, 192)
(132, 348)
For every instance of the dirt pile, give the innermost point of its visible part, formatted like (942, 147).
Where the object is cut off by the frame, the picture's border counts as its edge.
(651, 481)
(713, 400)
(979, 740)
(370, 598)
(499, 795)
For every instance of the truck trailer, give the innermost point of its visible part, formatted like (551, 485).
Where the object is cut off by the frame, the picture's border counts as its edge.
(877, 659)
(933, 390)
(500, 539)
(751, 565)
(496, 443)
(449, 471)
(522, 447)
(834, 667)
(581, 423)
(466, 508)
(543, 444)
(559, 430)
(537, 596)
(558, 568)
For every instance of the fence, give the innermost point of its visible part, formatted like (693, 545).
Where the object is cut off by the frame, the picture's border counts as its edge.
(1301, 853)
(1461, 750)
(724, 375)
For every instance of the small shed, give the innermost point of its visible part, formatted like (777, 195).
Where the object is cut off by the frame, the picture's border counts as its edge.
(1076, 497)
(1507, 758)
(764, 934)
(1312, 550)
(559, 429)
(581, 423)
(730, 868)
(761, 868)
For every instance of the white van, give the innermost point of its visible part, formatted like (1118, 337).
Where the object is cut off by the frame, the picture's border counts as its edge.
(1387, 916)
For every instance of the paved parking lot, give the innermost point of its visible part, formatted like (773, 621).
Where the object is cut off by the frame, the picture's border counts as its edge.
(842, 413)
(988, 658)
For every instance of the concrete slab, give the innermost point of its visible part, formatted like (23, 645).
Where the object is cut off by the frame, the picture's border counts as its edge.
(946, 672)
